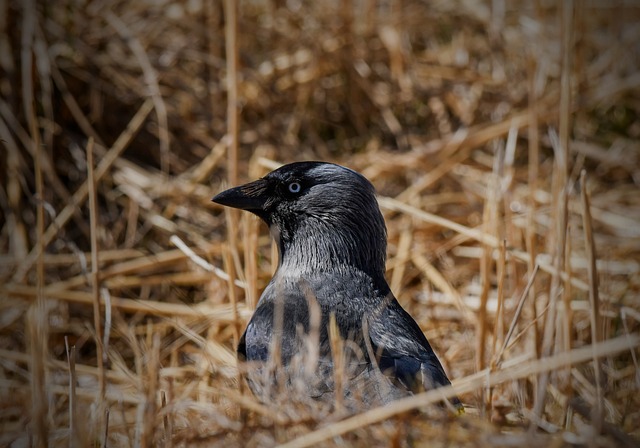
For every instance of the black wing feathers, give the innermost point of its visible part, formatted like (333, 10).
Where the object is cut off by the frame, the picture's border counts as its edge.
(403, 351)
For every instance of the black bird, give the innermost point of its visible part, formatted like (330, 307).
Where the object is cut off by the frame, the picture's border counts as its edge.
(332, 244)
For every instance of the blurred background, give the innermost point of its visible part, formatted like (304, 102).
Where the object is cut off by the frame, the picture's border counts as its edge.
(123, 288)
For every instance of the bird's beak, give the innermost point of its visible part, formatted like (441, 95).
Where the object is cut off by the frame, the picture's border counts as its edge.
(251, 197)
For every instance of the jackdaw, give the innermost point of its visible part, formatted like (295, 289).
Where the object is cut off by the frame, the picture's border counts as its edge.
(332, 241)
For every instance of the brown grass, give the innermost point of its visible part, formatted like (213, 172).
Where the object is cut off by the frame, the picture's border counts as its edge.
(502, 138)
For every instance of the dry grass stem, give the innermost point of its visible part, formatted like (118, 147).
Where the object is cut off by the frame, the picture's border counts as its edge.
(594, 300)
(95, 270)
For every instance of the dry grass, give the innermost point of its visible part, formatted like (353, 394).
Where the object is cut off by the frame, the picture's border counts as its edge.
(503, 139)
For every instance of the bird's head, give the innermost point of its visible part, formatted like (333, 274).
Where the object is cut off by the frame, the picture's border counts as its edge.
(321, 215)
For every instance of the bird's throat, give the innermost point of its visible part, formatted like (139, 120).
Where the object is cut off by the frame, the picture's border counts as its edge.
(317, 248)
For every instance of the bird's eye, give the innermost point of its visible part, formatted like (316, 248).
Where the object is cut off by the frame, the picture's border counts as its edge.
(294, 187)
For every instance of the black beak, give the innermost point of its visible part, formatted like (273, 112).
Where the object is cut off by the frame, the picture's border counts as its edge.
(251, 197)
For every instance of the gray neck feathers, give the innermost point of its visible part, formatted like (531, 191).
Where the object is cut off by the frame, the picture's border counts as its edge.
(335, 240)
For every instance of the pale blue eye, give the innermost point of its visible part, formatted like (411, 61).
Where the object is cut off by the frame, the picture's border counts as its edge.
(294, 187)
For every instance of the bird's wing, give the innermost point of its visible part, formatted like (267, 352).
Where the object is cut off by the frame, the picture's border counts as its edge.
(259, 336)
(278, 315)
(402, 350)
(242, 347)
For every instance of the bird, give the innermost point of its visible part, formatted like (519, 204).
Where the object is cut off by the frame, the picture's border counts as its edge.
(331, 239)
